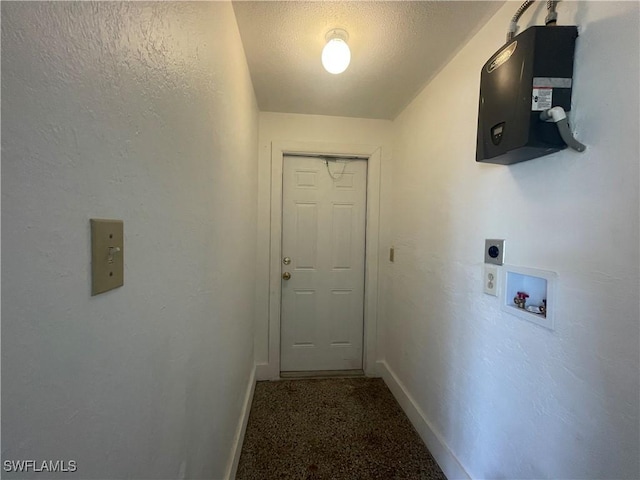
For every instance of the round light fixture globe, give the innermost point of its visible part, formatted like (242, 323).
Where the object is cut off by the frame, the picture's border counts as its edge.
(336, 54)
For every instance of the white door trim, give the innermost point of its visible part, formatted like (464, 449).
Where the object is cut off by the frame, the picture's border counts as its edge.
(373, 156)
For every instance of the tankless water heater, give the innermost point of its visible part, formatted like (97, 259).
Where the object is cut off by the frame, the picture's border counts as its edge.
(530, 74)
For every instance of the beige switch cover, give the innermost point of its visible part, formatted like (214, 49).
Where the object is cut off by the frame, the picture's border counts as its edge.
(107, 255)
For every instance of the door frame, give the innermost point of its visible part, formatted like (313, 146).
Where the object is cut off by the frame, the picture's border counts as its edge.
(373, 155)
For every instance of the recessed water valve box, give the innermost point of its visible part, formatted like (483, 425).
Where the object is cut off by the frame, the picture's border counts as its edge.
(530, 74)
(529, 293)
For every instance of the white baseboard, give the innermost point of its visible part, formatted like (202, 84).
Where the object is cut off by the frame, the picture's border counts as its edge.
(238, 440)
(432, 438)
(264, 371)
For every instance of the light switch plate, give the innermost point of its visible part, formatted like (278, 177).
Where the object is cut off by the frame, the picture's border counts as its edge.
(494, 251)
(107, 255)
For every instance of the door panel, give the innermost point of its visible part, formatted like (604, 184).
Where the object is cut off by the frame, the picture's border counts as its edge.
(304, 311)
(306, 234)
(323, 233)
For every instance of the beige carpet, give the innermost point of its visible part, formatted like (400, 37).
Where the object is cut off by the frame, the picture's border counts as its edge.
(340, 428)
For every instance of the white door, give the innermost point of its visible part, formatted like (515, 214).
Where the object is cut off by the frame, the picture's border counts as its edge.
(323, 235)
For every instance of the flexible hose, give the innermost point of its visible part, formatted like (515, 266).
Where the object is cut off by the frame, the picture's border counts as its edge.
(521, 10)
(558, 116)
(513, 26)
(567, 136)
(552, 16)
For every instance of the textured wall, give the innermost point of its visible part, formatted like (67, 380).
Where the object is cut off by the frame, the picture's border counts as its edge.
(302, 128)
(511, 399)
(143, 112)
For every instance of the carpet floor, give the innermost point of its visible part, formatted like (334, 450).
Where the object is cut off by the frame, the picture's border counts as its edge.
(337, 428)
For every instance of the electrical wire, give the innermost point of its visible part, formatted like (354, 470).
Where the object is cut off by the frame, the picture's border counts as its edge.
(334, 178)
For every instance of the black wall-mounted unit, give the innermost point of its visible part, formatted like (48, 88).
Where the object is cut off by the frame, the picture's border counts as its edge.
(528, 75)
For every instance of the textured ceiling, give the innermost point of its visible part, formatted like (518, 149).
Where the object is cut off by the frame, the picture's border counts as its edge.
(396, 48)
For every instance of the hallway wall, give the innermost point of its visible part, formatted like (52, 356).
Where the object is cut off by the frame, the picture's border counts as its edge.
(143, 112)
(511, 399)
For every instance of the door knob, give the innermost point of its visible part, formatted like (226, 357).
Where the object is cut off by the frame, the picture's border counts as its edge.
(286, 276)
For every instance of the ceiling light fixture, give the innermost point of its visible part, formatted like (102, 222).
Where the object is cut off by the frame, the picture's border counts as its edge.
(336, 54)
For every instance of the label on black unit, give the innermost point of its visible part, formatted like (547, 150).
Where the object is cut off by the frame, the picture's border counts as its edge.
(541, 99)
(542, 92)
